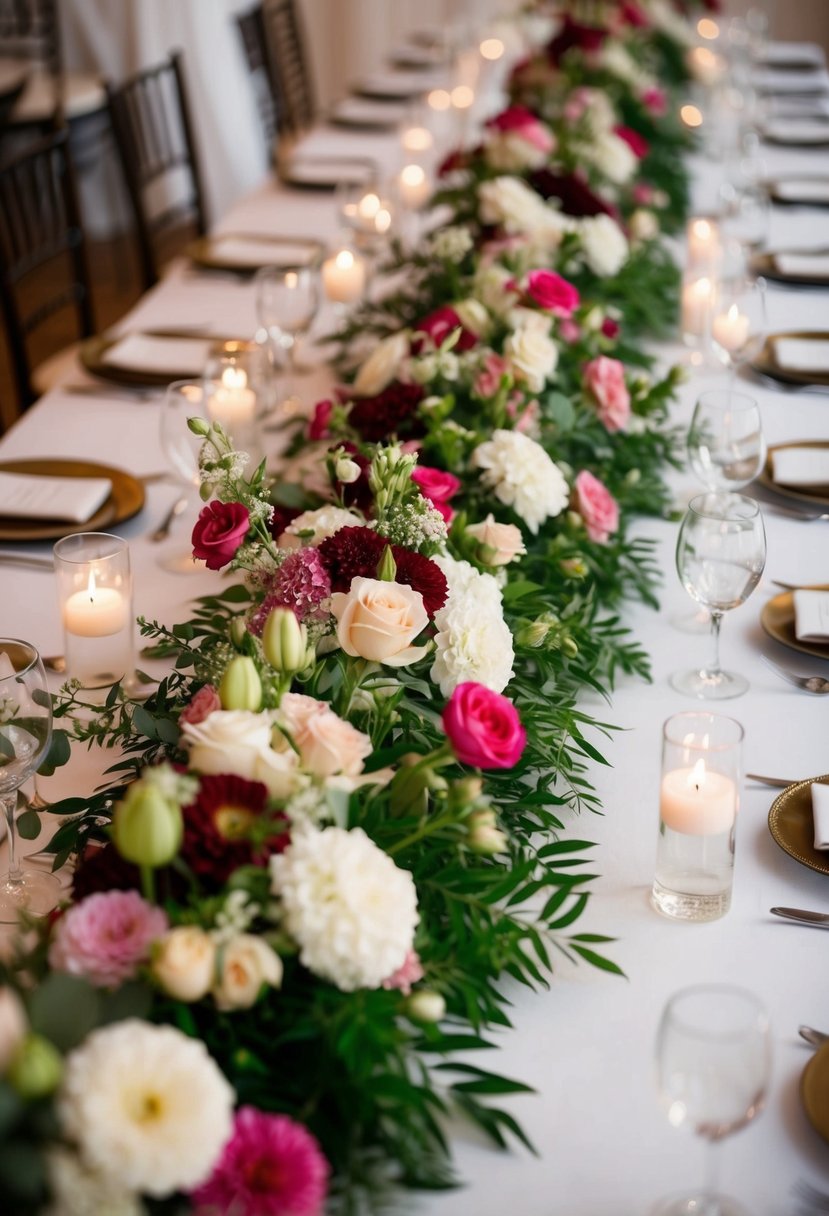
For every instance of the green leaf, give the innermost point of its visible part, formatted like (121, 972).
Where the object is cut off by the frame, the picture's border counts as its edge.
(64, 1009)
(28, 825)
(58, 753)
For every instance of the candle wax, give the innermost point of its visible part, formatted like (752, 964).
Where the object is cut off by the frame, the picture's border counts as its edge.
(697, 802)
(95, 613)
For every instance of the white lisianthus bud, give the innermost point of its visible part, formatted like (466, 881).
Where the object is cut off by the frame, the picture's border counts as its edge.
(346, 470)
(184, 963)
(483, 834)
(246, 965)
(426, 1006)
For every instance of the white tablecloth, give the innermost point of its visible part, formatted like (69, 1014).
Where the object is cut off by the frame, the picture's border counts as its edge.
(606, 1147)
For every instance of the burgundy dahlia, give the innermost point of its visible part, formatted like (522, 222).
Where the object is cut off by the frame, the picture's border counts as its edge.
(389, 413)
(575, 195)
(357, 552)
(220, 828)
(574, 35)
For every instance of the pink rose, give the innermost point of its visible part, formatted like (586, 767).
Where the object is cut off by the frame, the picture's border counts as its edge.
(518, 120)
(552, 293)
(483, 727)
(326, 743)
(642, 194)
(597, 507)
(318, 426)
(604, 379)
(655, 101)
(219, 531)
(201, 706)
(637, 143)
(488, 381)
(106, 937)
(569, 330)
(576, 104)
(438, 487)
(438, 325)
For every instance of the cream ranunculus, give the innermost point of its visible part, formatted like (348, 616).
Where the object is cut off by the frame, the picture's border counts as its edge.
(239, 742)
(382, 365)
(313, 527)
(246, 965)
(327, 744)
(501, 543)
(379, 621)
(184, 963)
(533, 355)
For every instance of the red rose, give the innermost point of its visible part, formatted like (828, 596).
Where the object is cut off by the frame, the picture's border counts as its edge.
(483, 727)
(318, 426)
(219, 531)
(438, 487)
(587, 38)
(637, 144)
(438, 325)
(552, 293)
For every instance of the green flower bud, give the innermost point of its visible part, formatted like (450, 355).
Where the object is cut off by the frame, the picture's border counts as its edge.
(147, 827)
(387, 566)
(574, 567)
(570, 647)
(285, 641)
(633, 477)
(238, 631)
(199, 426)
(37, 1068)
(466, 791)
(426, 1006)
(241, 687)
(205, 492)
(533, 634)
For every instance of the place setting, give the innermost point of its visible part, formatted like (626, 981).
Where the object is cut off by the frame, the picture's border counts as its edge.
(152, 359)
(48, 498)
(799, 191)
(244, 253)
(794, 267)
(795, 357)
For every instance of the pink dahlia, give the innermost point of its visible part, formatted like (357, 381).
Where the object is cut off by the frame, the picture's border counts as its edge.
(271, 1166)
(106, 937)
(301, 583)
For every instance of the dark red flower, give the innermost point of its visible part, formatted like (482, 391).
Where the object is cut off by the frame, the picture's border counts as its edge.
(610, 328)
(318, 426)
(460, 158)
(423, 575)
(357, 552)
(632, 14)
(219, 828)
(576, 196)
(102, 868)
(574, 35)
(438, 325)
(219, 531)
(637, 143)
(389, 413)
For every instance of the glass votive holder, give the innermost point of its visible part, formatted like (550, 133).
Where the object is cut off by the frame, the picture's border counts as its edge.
(695, 314)
(344, 276)
(703, 240)
(699, 797)
(95, 598)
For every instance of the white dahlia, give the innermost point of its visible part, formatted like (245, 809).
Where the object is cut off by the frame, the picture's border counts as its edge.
(473, 641)
(351, 910)
(78, 1191)
(605, 245)
(147, 1107)
(522, 476)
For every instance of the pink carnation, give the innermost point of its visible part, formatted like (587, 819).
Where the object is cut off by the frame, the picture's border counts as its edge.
(636, 142)
(604, 379)
(201, 706)
(488, 381)
(301, 582)
(552, 293)
(438, 487)
(407, 974)
(520, 121)
(270, 1166)
(597, 507)
(106, 937)
(655, 100)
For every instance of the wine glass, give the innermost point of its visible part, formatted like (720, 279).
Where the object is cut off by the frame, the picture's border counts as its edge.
(738, 321)
(720, 555)
(287, 301)
(748, 214)
(713, 1063)
(726, 448)
(25, 731)
(184, 399)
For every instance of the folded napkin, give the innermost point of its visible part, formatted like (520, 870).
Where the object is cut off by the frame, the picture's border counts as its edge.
(803, 190)
(256, 251)
(326, 171)
(75, 499)
(801, 466)
(147, 353)
(768, 80)
(797, 130)
(820, 814)
(802, 263)
(365, 110)
(802, 354)
(393, 84)
(776, 53)
(811, 616)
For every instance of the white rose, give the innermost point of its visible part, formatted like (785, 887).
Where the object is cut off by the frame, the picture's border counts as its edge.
(605, 245)
(534, 356)
(320, 524)
(13, 1026)
(382, 365)
(184, 963)
(474, 316)
(528, 318)
(246, 964)
(509, 202)
(491, 287)
(228, 741)
(510, 153)
(614, 157)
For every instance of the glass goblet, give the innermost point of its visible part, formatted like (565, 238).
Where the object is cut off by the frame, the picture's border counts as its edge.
(720, 556)
(713, 1063)
(25, 732)
(726, 448)
(287, 301)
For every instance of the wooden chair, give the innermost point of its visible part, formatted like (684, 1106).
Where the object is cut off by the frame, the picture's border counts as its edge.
(294, 91)
(251, 26)
(154, 137)
(39, 228)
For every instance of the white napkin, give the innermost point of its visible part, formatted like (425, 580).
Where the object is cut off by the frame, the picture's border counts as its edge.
(323, 171)
(365, 111)
(256, 251)
(393, 84)
(811, 616)
(820, 814)
(802, 263)
(802, 354)
(797, 130)
(76, 499)
(801, 466)
(770, 81)
(776, 53)
(803, 190)
(146, 353)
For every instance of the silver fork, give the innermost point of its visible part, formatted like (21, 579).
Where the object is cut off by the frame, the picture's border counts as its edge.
(163, 530)
(813, 684)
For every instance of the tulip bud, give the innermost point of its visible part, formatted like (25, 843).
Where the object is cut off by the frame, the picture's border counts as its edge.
(238, 631)
(147, 827)
(533, 634)
(285, 641)
(199, 426)
(570, 647)
(241, 687)
(425, 1006)
(387, 566)
(484, 836)
(205, 491)
(37, 1068)
(633, 477)
(466, 791)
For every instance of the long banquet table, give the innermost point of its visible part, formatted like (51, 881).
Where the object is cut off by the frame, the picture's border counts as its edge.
(605, 1146)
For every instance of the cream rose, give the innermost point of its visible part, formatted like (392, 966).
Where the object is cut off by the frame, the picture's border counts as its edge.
(379, 621)
(533, 355)
(501, 543)
(382, 365)
(313, 527)
(327, 745)
(239, 742)
(514, 205)
(184, 963)
(246, 964)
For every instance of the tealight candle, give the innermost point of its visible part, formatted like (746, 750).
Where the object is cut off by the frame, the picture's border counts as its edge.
(95, 597)
(344, 277)
(730, 329)
(416, 139)
(706, 65)
(703, 241)
(96, 612)
(696, 801)
(233, 404)
(413, 185)
(696, 306)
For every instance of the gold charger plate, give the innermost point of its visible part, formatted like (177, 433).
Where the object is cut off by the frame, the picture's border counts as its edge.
(766, 361)
(765, 264)
(94, 352)
(125, 500)
(777, 618)
(816, 495)
(814, 1091)
(207, 252)
(792, 826)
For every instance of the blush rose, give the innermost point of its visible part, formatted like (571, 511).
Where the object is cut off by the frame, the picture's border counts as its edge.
(597, 507)
(604, 379)
(379, 621)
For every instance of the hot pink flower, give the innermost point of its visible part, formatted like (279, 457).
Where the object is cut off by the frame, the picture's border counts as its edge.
(597, 507)
(483, 727)
(655, 100)
(318, 426)
(488, 381)
(518, 120)
(201, 706)
(604, 379)
(408, 973)
(219, 531)
(552, 293)
(636, 142)
(438, 487)
(106, 937)
(271, 1166)
(438, 325)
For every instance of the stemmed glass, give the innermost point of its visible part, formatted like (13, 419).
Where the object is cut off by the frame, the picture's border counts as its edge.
(184, 399)
(25, 731)
(720, 556)
(713, 1062)
(287, 301)
(738, 321)
(726, 448)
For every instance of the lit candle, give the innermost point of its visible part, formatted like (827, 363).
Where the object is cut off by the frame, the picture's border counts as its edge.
(697, 802)
(703, 241)
(691, 115)
(462, 97)
(233, 404)
(696, 304)
(414, 187)
(416, 139)
(97, 612)
(706, 66)
(492, 49)
(730, 329)
(344, 277)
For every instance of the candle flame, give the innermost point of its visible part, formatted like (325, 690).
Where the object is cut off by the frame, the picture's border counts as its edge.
(382, 220)
(234, 378)
(691, 115)
(417, 139)
(702, 288)
(368, 206)
(706, 28)
(702, 229)
(697, 774)
(345, 259)
(733, 312)
(492, 48)
(439, 99)
(412, 175)
(462, 97)
(90, 587)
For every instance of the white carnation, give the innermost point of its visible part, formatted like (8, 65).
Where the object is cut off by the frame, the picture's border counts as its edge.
(473, 642)
(509, 152)
(352, 911)
(147, 1106)
(522, 476)
(605, 245)
(533, 354)
(78, 1191)
(313, 527)
(509, 202)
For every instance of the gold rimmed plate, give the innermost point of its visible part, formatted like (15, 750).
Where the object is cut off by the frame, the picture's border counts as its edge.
(767, 265)
(777, 619)
(792, 825)
(196, 347)
(326, 172)
(766, 362)
(247, 252)
(814, 1091)
(809, 495)
(126, 498)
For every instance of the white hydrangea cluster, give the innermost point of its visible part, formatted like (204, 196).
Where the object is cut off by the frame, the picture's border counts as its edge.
(522, 476)
(604, 244)
(452, 243)
(473, 641)
(423, 369)
(414, 524)
(351, 910)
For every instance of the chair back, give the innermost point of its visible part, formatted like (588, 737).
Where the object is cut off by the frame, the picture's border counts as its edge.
(39, 227)
(251, 26)
(29, 30)
(295, 103)
(154, 136)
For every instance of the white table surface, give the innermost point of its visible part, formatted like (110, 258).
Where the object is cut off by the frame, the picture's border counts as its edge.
(606, 1147)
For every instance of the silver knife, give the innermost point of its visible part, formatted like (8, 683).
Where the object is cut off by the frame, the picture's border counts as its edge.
(818, 920)
(777, 782)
